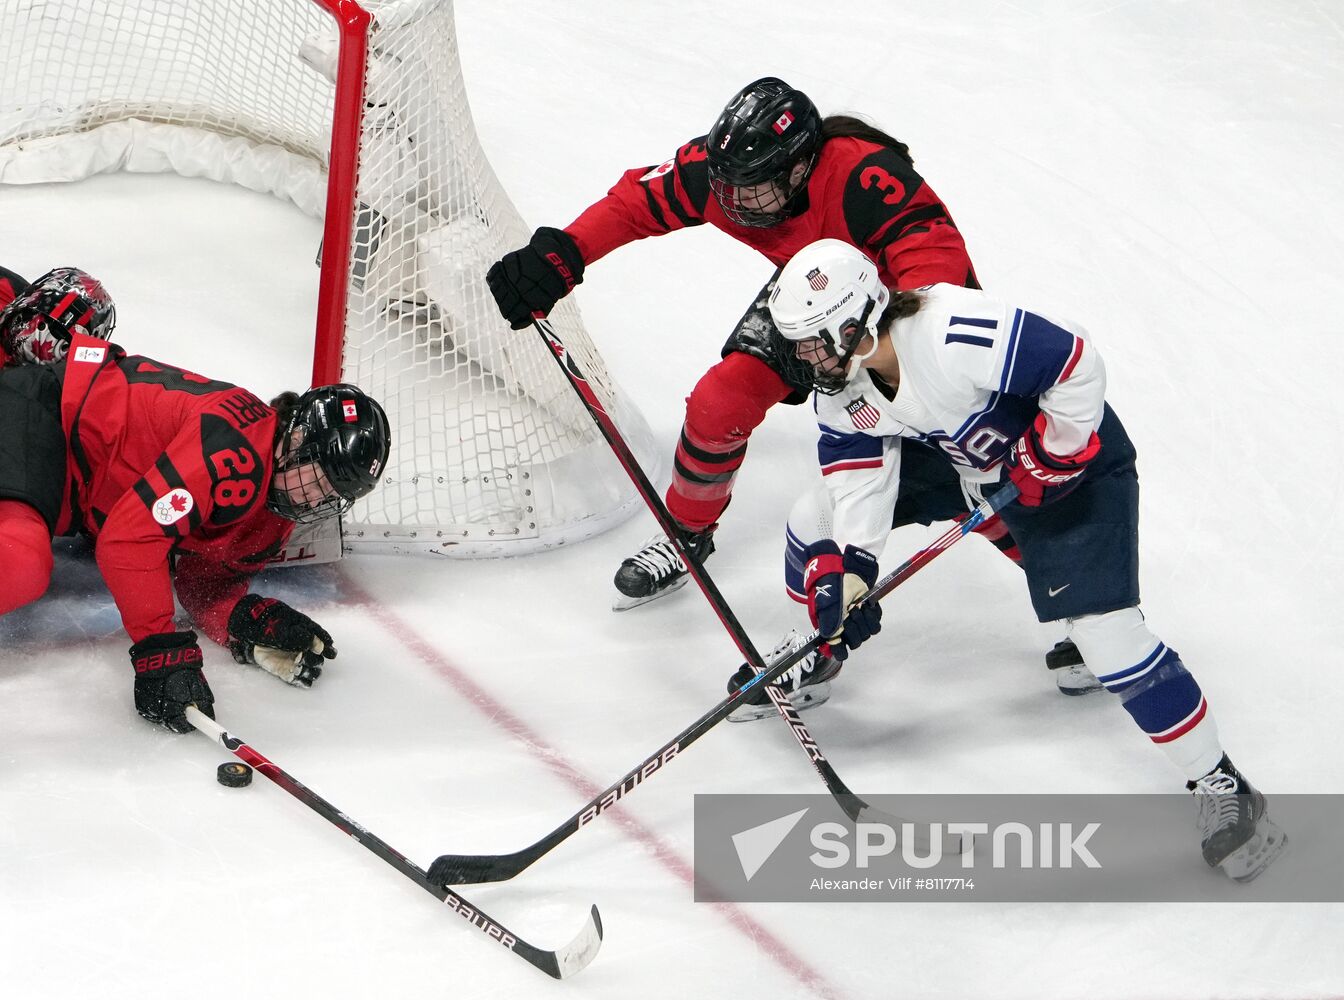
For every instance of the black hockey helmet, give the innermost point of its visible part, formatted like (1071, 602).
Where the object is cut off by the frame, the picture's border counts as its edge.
(332, 446)
(38, 324)
(763, 133)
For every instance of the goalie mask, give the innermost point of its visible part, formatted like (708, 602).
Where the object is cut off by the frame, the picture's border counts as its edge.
(37, 326)
(825, 301)
(330, 451)
(766, 131)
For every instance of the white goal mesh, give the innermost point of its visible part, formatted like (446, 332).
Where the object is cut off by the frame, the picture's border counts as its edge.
(356, 114)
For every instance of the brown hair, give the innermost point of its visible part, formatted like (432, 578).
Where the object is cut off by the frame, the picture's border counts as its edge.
(902, 304)
(838, 126)
(283, 405)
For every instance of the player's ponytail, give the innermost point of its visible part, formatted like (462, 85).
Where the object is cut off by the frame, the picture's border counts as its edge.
(902, 304)
(283, 405)
(841, 126)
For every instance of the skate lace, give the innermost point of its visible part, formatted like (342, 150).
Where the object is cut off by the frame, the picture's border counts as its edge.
(1218, 805)
(790, 679)
(659, 557)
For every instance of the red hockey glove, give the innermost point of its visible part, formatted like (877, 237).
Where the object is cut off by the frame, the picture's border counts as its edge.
(534, 278)
(834, 584)
(1041, 477)
(278, 639)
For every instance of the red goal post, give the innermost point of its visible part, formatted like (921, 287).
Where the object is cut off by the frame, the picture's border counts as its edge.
(354, 112)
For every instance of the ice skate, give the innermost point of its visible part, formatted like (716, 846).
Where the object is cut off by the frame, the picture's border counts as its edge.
(657, 570)
(1237, 833)
(807, 683)
(1071, 674)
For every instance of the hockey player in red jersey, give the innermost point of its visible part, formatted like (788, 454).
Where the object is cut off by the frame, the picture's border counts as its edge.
(158, 464)
(775, 175)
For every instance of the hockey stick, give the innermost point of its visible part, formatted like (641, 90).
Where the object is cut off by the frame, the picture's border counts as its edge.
(562, 964)
(852, 805)
(849, 802)
(466, 869)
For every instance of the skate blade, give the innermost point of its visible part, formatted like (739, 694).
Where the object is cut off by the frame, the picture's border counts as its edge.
(1248, 861)
(623, 603)
(1073, 682)
(809, 697)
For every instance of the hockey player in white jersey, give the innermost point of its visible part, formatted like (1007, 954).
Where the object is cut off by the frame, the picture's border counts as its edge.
(929, 400)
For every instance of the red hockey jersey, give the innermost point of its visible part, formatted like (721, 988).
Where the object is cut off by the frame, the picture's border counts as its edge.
(163, 461)
(859, 192)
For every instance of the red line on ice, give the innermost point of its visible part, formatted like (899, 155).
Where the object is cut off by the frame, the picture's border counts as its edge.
(500, 715)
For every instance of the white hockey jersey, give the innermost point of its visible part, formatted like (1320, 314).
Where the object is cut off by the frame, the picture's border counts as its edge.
(974, 372)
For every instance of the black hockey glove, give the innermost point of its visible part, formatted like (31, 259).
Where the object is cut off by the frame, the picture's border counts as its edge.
(168, 678)
(835, 583)
(278, 639)
(534, 278)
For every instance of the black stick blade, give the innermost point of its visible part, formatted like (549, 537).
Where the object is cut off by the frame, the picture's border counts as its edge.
(472, 869)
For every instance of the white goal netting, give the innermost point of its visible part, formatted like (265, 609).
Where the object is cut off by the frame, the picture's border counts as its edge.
(357, 114)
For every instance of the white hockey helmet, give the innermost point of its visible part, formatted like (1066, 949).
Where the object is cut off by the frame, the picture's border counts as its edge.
(824, 301)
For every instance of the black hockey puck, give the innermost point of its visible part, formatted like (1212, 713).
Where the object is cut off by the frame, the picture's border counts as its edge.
(233, 774)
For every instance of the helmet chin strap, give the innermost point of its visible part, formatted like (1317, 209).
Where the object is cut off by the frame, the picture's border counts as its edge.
(856, 360)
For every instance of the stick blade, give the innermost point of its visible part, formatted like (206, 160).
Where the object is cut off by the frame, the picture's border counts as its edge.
(574, 957)
(473, 869)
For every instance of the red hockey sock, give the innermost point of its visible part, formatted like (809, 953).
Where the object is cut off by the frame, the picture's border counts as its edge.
(723, 409)
(996, 532)
(25, 554)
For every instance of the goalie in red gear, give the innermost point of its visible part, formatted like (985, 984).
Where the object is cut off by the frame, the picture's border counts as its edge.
(37, 320)
(157, 463)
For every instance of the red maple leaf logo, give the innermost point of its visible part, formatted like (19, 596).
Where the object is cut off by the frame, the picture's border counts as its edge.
(178, 502)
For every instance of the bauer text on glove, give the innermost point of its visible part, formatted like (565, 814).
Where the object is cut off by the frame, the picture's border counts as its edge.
(168, 678)
(836, 583)
(1041, 476)
(534, 278)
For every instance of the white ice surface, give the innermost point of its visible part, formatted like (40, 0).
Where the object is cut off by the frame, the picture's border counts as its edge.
(1167, 173)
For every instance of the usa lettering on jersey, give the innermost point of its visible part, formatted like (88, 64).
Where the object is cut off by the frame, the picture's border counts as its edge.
(863, 414)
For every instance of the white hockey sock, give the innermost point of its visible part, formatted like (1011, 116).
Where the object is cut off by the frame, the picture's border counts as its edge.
(1153, 685)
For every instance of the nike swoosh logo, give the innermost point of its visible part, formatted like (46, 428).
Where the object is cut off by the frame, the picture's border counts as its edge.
(1058, 590)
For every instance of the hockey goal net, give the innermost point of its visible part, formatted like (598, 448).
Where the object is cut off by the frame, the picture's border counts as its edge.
(355, 113)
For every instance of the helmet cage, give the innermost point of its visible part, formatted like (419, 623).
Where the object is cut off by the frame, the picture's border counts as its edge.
(305, 460)
(746, 204)
(832, 356)
(333, 445)
(754, 149)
